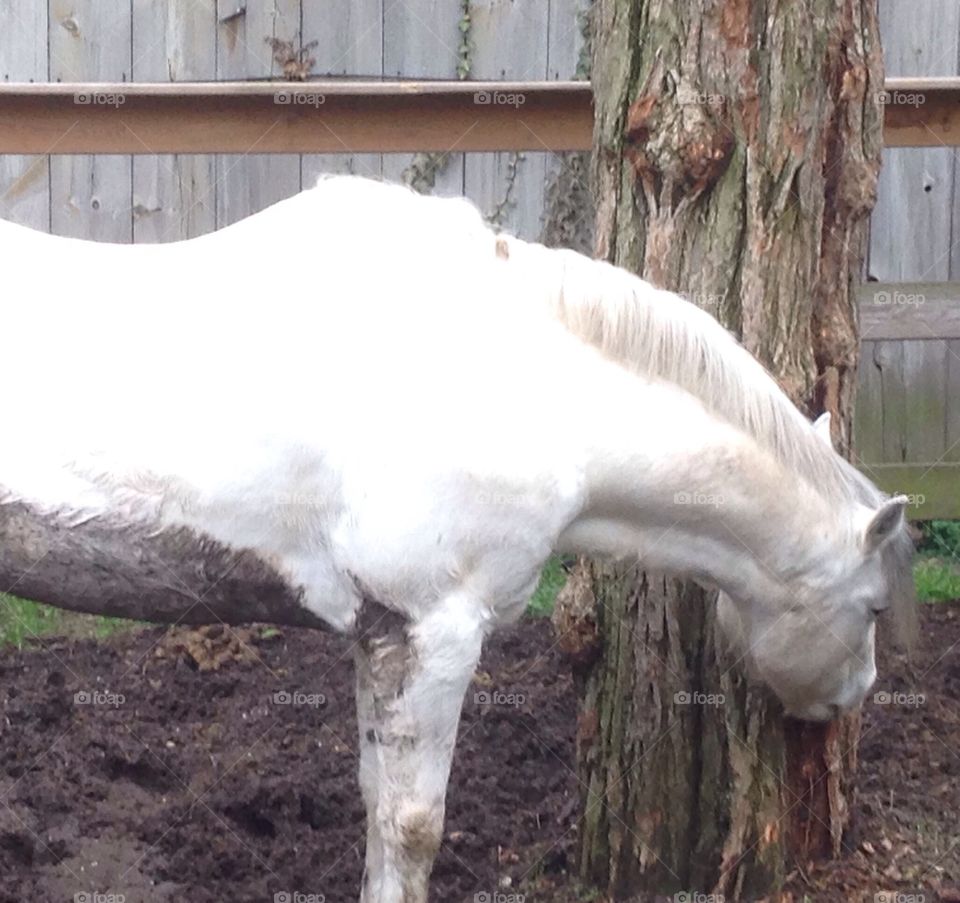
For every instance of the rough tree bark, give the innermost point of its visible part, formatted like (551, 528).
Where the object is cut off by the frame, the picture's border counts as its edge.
(737, 146)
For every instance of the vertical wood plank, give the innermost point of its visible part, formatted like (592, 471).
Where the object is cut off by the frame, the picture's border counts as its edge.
(90, 40)
(888, 357)
(349, 36)
(508, 187)
(868, 411)
(249, 182)
(420, 40)
(565, 38)
(924, 378)
(174, 196)
(25, 181)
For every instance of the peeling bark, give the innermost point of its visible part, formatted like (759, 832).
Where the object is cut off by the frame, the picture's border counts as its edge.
(737, 147)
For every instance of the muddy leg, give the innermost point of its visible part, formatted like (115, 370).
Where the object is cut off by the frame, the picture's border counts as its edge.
(411, 679)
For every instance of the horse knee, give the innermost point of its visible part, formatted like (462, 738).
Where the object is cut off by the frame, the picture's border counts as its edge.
(422, 832)
(418, 831)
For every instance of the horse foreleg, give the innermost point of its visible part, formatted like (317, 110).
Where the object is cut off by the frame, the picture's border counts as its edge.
(411, 679)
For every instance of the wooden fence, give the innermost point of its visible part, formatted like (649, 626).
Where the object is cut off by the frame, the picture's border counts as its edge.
(907, 429)
(168, 197)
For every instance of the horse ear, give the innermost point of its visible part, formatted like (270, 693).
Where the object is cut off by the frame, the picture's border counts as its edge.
(821, 427)
(884, 523)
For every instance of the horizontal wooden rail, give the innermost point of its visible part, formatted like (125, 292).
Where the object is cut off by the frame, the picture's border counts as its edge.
(933, 490)
(356, 116)
(340, 117)
(913, 310)
(922, 112)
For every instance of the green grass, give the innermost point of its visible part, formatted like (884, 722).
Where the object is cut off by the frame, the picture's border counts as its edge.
(936, 581)
(937, 570)
(22, 621)
(942, 537)
(552, 579)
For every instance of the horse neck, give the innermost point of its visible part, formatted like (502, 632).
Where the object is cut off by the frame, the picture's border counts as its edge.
(690, 494)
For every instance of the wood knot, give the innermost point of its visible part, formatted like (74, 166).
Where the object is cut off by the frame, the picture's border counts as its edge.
(677, 141)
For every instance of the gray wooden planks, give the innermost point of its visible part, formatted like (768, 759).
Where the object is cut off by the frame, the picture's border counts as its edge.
(25, 181)
(421, 40)
(168, 198)
(909, 310)
(349, 36)
(508, 187)
(174, 197)
(90, 196)
(249, 182)
(868, 414)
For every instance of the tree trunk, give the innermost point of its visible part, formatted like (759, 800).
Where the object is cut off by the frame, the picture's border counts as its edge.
(737, 147)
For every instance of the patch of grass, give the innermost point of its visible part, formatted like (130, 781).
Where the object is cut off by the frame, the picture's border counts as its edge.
(22, 621)
(102, 627)
(936, 572)
(552, 579)
(936, 581)
(942, 537)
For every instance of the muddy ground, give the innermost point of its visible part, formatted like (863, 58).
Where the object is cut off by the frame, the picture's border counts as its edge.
(181, 775)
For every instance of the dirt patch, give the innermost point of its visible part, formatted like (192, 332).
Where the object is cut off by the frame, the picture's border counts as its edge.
(129, 767)
(163, 782)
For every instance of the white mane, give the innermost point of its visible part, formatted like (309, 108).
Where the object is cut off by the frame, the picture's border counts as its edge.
(664, 337)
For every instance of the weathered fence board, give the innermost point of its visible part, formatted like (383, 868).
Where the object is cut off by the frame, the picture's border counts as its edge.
(924, 378)
(889, 358)
(422, 40)
(869, 423)
(90, 196)
(25, 180)
(565, 39)
(174, 196)
(909, 310)
(932, 487)
(349, 36)
(508, 187)
(251, 181)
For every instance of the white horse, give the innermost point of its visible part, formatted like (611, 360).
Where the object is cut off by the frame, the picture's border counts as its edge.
(363, 409)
